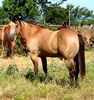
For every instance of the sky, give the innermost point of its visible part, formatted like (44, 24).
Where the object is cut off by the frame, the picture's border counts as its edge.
(89, 4)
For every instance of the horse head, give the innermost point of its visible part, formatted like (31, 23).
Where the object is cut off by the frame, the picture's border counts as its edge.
(14, 28)
(92, 28)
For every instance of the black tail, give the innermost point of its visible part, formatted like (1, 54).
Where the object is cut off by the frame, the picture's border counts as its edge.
(81, 56)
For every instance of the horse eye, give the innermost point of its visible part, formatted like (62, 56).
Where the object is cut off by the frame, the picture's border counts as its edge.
(16, 25)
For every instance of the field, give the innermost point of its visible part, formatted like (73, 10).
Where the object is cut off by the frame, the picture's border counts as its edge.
(17, 80)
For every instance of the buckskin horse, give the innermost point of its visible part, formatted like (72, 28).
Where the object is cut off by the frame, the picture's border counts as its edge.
(42, 42)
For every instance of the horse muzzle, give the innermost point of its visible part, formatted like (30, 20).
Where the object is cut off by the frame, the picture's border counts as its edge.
(12, 37)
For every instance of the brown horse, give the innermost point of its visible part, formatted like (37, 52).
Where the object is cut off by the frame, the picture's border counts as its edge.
(0, 36)
(4, 37)
(41, 42)
(88, 36)
(64, 25)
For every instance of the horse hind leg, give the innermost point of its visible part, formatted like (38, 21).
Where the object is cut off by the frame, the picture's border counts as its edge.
(69, 65)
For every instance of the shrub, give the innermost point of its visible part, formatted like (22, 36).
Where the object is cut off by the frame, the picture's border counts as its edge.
(12, 70)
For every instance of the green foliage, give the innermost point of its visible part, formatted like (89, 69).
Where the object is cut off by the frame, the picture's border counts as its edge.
(56, 15)
(1, 70)
(79, 15)
(18, 46)
(30, 74)
(25, 9)
(36, 10)
(12, 69)
(3, 16)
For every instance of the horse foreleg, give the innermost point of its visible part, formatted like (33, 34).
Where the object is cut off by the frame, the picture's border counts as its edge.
(76, 67)
(69, 64)
(9, 47)
(88, 41)
(44, 63)
(12, 48)
(3, 48)
(34, 58)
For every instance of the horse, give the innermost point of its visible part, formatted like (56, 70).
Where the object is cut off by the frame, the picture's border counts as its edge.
(64, 25)
(88, 36)
(0, 36)
(42, 42)
(4, 37)
(92, 28)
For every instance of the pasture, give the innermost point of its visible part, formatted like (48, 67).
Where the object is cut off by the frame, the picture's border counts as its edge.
(17, 80)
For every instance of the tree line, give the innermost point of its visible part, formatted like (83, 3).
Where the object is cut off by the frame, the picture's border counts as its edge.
(44, 12)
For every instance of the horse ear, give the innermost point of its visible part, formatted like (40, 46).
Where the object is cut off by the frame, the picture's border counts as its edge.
(14, 18)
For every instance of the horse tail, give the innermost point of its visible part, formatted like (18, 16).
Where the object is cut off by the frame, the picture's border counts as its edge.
(81, 55)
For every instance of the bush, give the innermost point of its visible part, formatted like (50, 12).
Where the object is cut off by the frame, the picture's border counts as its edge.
(12, 70)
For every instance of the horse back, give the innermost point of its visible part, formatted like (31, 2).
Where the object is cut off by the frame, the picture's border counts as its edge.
(61, 27)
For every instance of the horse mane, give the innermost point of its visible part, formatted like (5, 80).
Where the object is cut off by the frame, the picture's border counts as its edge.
(22, 21)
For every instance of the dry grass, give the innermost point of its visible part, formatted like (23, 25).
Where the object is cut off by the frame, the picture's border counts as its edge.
(20, 88)
(24, 61)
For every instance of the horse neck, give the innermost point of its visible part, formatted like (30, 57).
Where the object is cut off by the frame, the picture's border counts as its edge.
(25, 31)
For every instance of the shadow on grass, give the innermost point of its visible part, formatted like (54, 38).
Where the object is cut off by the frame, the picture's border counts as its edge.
(41, 76)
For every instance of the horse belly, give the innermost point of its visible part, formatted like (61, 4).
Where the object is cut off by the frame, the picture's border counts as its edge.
(49, 54)
(49, 51)
(44, 48)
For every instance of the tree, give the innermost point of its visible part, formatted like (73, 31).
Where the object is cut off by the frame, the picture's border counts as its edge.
(25, 9)
(3, 16)
(79, 15)
(45, 5)
(56, 15)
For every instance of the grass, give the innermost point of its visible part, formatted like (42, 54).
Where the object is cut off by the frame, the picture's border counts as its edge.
(17, 80)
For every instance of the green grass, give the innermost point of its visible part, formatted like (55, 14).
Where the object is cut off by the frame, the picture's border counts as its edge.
(18, 83)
